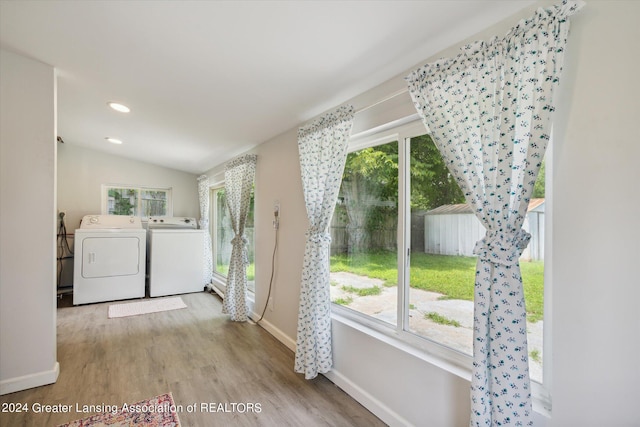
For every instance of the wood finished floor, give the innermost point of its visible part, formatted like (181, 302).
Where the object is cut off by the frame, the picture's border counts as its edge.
(198, 355)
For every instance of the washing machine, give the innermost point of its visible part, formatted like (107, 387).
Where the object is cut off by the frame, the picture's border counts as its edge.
(109, 259)
(176, 256)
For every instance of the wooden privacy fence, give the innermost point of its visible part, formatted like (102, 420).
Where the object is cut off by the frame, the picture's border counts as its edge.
(382, 239)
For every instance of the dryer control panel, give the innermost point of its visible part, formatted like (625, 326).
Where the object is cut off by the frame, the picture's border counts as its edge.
(106, 222)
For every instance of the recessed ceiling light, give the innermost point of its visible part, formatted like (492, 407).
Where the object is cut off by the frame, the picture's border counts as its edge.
(113, 140)
(119, 107)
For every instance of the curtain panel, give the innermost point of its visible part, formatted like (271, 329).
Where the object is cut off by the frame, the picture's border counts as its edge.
(322, 146)
(238, 182)
(203, 198)
(489, 112)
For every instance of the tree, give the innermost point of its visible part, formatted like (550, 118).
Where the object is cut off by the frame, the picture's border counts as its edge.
(369, 190)
(122, 205)
(538, 187)
(376, 169)
(431, 183)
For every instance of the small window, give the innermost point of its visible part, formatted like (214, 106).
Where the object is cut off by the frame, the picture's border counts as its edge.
(137, 201)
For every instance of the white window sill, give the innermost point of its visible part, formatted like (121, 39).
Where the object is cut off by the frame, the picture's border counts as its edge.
(445, 358)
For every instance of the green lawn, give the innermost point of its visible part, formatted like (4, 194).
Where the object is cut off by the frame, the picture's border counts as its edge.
(223, 269)
(452, 276)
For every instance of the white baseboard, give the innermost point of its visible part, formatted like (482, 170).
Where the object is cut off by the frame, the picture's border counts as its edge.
(217, 287)
(30, 381)
(378, 408)
(277, 333)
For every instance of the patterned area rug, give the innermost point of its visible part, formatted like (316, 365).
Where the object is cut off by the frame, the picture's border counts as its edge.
(145, 307)
(159, 411)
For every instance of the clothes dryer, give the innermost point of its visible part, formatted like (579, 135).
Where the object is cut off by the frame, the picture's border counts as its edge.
(176, 256)
(109, 259)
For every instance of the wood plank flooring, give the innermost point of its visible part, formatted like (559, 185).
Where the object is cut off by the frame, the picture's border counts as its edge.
(198, 355)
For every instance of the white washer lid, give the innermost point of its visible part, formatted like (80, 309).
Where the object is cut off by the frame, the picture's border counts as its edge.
(172, 222)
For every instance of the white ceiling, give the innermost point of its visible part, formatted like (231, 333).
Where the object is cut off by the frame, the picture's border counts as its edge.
(208, 80)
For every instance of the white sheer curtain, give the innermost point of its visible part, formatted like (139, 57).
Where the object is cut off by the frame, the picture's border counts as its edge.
(238, 182)
(203, 197)
(489, 112)
(323, 151)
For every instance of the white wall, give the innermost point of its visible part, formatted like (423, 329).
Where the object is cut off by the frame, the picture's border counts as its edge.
(82, 171)
(592, 265)
(27, 223)
(278, 179)
(596, 284)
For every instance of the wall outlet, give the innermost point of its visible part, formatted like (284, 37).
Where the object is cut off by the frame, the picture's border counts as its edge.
(276, 214)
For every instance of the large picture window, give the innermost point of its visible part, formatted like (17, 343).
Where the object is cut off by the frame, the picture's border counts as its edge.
(137, 201)
(402, 246)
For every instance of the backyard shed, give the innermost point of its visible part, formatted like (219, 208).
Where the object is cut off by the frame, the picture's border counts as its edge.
(454, 230)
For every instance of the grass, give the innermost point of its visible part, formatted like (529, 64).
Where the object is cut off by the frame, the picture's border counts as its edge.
(440, 319)
(343, 301)
(535, 355)
(363, 292)
(223, 269)
(452, 276)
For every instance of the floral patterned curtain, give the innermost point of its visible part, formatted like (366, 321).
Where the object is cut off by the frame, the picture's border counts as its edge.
(238, 181)
(203, 197)
(489, 112)
(323, 151)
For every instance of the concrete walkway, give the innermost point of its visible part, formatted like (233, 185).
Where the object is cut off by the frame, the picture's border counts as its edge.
(384, 307)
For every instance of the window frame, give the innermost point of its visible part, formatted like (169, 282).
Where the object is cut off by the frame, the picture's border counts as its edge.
(105, 197)
(213, 229)
(399, 335)
(219, 279)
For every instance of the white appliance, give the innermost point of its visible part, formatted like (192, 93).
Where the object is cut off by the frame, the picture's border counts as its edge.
(176, 256)
(109, 259)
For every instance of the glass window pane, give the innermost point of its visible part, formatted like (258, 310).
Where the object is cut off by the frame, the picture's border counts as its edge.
(442, 267)
(122, 201)
(249, 234)
(444, 231)
(364, 272)
(153, 203)
(223, 234)
(143, 202)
